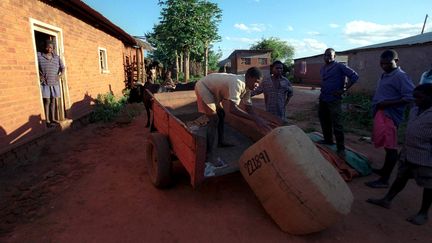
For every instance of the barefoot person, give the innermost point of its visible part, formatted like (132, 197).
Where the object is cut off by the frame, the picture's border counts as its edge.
(214, 88)
(50, 69)
(416, 159)
(393, 93)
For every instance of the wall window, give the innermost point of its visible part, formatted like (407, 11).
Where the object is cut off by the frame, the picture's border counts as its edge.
(103, 61)
(262, 61)
(303, 67)
(245, 60)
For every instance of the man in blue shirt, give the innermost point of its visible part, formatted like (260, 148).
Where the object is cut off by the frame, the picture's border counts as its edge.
(333, 85)
(394, 92)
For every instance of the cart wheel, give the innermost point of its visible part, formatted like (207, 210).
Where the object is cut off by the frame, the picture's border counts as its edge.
(158, 160)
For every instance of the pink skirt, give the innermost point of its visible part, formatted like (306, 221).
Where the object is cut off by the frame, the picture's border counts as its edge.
(384, 131)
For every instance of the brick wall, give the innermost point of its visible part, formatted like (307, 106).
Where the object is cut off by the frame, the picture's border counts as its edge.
(239, 68)
(21, 110)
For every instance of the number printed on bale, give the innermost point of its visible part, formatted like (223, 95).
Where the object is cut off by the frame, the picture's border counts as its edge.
(256, 162)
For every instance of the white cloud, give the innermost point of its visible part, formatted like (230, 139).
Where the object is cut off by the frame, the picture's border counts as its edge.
(242, 39)
(307, 46)
(361, 32)
(290, 28)
(251, 27)
(332, 25)
(314, 33)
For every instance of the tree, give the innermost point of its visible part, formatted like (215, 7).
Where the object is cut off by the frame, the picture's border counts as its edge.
(281, 50)
(211, 16)
(186, 26)
(213, 60)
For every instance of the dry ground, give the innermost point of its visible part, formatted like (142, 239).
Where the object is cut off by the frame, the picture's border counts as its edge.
(91, 185)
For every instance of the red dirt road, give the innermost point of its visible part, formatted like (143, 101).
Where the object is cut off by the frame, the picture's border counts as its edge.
(91, 185)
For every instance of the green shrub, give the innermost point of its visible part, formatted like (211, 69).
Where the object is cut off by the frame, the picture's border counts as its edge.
(358, 114)
(107, 107)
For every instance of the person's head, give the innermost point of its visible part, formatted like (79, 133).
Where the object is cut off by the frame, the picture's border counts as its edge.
(329, 55)
(277, 68)
(253, 77)
(388, 60)
(49, 46)
(423, 96)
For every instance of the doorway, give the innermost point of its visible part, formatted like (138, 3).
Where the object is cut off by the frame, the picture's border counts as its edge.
(41, 33)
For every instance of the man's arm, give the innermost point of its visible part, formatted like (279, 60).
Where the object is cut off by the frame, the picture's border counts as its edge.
(61, 66)
(406, 90)
(258, 90)
(249, 114)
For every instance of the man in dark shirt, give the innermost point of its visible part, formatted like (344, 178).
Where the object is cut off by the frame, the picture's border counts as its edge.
(50, 69)
(333, 85)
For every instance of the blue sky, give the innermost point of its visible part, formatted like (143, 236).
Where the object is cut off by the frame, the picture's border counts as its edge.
(309, 26)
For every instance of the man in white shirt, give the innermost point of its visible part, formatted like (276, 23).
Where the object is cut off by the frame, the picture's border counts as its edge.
(216, 87)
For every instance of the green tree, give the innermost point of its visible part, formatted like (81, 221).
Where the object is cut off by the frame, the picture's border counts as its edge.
(281, 50)
(186, 26)
(213, 60)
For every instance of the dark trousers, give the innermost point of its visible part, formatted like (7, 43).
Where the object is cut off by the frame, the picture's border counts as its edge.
(330, 115)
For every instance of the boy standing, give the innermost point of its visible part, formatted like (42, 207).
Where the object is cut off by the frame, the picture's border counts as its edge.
(393, 93)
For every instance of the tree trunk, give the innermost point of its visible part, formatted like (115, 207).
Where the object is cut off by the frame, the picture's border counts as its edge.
(181, 62)
(206, 59)
(186, 64)
(176, 66)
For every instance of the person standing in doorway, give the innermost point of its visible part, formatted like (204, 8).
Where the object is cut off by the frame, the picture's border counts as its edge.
(50, 69)
(277, 91)
(333, 85)
(393, 93)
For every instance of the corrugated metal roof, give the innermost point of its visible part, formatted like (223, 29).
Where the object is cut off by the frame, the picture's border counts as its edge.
(412, 40)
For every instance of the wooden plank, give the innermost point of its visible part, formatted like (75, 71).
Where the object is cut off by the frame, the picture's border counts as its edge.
(160, 118)
(200, 157)
(189, 148)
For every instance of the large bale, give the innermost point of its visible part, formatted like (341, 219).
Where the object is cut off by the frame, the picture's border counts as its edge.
(298, 188)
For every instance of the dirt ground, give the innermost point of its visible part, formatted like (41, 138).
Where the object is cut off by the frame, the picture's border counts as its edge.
(91, 185)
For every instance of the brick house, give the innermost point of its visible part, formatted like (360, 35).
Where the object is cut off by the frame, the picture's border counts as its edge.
(94, 50)
(414, 58)
(241, 60)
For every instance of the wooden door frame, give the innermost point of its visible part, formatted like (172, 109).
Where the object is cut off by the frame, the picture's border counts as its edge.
(36, 25)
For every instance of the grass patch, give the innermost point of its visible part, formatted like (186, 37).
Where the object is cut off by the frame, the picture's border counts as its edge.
(357, 115)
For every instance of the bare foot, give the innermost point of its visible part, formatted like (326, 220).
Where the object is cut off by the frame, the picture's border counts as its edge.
(418, 219)
(380, 202)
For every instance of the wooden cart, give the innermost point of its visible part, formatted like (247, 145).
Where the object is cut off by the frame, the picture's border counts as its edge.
(172, 138)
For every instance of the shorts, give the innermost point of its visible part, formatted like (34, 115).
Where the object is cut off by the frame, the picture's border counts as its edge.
(50, 91)
(421, 174)
(205, 99)
(384, 131)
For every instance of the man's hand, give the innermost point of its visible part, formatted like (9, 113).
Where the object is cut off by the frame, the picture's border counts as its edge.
(338, 92)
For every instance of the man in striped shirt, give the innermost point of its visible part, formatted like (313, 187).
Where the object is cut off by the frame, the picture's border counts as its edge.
(50, 69)
(277, 91)
(416, 155)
